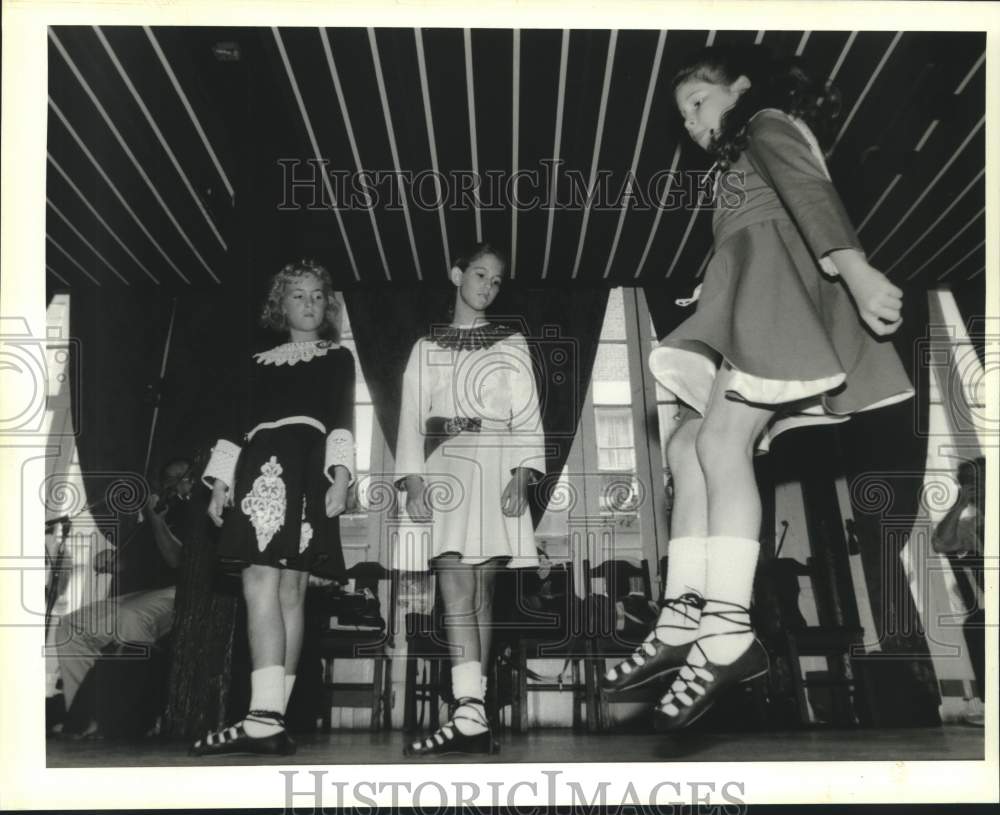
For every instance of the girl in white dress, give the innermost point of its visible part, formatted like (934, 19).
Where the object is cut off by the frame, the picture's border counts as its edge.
(470, 442)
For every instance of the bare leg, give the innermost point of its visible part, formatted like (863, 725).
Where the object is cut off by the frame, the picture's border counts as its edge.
(465, 731)
(457, 583)
(266, 632)
(485, 580)
(677, 625)
(689, 513)
(265, 628)
(292, 598)
(725, 447)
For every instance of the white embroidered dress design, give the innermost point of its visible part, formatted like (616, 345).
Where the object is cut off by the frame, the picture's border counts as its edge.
(265, 503)
(307, 531)
(291, 353)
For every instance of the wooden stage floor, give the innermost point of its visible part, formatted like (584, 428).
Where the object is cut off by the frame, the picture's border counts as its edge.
(949, 742)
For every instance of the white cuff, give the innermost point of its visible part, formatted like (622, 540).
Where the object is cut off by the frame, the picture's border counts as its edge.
(222, 464)
(828, 267)
(340, 451)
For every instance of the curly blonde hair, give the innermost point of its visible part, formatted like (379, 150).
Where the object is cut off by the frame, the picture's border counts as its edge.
(273, 316)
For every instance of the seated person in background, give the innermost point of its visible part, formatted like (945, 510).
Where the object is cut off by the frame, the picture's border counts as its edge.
(959, 537)
(141, 607)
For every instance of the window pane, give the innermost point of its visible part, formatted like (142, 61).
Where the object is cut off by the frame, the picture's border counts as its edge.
(620, 494)
(360, 387)
(614, 317)
(611, 379)
(615, 439)
(364, 415)
(345, 323)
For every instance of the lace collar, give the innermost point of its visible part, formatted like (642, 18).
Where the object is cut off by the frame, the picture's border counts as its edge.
(290, 353)
(475, 338)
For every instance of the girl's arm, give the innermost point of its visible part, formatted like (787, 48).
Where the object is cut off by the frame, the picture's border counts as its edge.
(525, 453)
(778, 150)
(410, 435)
(339, 462)
(220, 472)
(340, 452)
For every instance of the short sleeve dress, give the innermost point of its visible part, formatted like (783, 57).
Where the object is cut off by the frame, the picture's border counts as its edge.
(771, 307)
(469, 418)
(297, 425)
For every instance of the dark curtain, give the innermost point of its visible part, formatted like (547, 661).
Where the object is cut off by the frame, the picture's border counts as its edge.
(202, 384)
(664, 311)
(885, 453)
(119, 335)
(970, 297)
(563, 327)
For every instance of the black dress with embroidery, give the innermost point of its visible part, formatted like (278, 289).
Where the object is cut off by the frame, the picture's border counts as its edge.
(297, 425)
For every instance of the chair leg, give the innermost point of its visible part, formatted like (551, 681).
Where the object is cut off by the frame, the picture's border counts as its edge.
(522, 690)
(326, 715)
(795, 669)
(575, 674)
(376, 709)
(434, 694)
(410, 695)
(516, 700)
(387, 693)
(591, 692)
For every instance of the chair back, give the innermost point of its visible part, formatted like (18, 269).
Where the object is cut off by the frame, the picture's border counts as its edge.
(621, 578)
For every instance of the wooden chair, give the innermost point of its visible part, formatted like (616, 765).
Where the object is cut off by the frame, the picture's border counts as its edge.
(427, 659)
(543, 618)
(427, 678)
(621, 578)
(361, 643)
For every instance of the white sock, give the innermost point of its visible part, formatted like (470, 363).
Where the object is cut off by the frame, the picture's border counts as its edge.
(686, 574)
(732, 563)
(467, 682)
(289, 684)
(678, 622)
(267, 692)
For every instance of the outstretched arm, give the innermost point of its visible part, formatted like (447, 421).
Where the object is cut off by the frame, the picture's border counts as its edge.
(782, 155)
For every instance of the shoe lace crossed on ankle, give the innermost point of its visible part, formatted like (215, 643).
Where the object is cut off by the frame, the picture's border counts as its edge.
(268, 718)
(466, 709)
(693, 679)
(682, 606)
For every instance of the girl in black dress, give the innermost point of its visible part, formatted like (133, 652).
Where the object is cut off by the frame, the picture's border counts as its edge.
(291, 459)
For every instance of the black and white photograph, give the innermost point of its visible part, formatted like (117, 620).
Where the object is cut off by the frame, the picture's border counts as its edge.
(587, 411)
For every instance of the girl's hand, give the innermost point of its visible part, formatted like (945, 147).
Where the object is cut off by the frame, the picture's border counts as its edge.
(336, 499)
(416, 505)
(878, 301)
(514, 500)
(219, 500)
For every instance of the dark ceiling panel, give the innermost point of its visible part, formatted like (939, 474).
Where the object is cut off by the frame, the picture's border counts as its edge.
(588, 53)
(86, 87)
(140, 64)
(541, 52)
(631, 77)
(493, 81)
(243, 116)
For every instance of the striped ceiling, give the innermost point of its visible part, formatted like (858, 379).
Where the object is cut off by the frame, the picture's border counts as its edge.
(154, 133)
